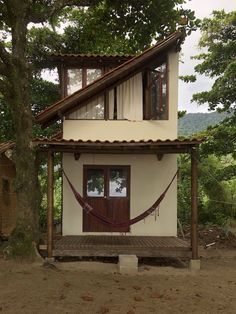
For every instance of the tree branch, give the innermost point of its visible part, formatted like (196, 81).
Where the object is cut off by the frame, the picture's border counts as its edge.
(42, 15)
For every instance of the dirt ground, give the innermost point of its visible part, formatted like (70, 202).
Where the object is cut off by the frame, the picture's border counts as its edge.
(96, 287)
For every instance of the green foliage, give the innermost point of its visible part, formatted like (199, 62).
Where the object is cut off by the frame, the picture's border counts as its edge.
(111, 27)
(6, 125)
(188, 78)
(216, 192)
(221, 140)
(193, 123)
(43, 94)
(181, 113)
(218, 60)
(57, 192)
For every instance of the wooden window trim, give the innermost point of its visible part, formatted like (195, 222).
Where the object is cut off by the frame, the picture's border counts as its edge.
(84, 75)
(147, 114)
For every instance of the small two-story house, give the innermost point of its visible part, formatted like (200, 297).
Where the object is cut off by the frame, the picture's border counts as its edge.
(119, 146)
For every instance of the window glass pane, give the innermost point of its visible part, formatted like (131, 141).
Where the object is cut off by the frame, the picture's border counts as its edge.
(93, 74)
(159, 92)
(93, 110)
(118, 182)
(95, 182)
(74, 82)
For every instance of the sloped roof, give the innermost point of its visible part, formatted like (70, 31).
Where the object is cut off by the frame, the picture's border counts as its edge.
(57, 143)
(90, 56)
(132, 66)
(142, 146)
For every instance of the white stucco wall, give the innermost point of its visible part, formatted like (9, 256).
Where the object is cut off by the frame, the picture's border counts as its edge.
(128, 130)
(149, 178)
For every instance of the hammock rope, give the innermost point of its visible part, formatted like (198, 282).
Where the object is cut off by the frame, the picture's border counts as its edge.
(108, 222)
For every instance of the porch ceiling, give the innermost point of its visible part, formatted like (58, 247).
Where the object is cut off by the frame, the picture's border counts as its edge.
(121, 147)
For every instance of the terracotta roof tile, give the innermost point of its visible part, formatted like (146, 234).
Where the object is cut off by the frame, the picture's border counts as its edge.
(91, 55)
(45, 140)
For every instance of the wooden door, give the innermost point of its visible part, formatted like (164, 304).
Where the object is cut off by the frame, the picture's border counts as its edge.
(107, 189)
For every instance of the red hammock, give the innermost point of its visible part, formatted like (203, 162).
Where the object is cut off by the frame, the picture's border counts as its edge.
(108, 222)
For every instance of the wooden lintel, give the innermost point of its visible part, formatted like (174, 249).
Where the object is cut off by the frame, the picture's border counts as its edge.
(160, 156)
(114, 151)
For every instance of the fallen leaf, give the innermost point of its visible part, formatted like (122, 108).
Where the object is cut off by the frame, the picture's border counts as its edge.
(86, 297)
(156, 295)
(138, 298)
(62, 297)
(104, 310)
(66, 284)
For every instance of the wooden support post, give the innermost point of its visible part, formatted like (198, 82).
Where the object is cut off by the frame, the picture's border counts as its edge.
(194, 212)
(50, 191)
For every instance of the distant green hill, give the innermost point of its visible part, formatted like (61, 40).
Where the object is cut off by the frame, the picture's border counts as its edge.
(195, 122)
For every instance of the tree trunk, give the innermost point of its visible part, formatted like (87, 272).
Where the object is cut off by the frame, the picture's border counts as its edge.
(22, 242)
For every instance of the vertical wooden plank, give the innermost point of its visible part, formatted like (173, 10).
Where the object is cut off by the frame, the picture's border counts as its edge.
(84, 77)
(194, 211)
(146, 98)
(50, 204)
(106, 105)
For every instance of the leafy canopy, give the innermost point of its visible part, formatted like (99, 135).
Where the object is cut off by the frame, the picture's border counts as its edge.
(218, 61)
(111, 27)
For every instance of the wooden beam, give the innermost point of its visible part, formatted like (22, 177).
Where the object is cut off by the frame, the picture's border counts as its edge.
(160, 156)
(194, 211)
(50, 191)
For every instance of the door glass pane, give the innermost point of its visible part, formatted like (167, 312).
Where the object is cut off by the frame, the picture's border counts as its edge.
(74, 80)
(95, 182)
(118, 182)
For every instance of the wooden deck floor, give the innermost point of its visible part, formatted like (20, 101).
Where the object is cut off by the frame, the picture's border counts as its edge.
(142, 246)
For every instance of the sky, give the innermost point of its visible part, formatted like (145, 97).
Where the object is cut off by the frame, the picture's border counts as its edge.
(202, 8)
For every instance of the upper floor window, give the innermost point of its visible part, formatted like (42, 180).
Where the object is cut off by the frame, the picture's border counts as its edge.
(143, 96)
(155, 90)
(78, 78)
